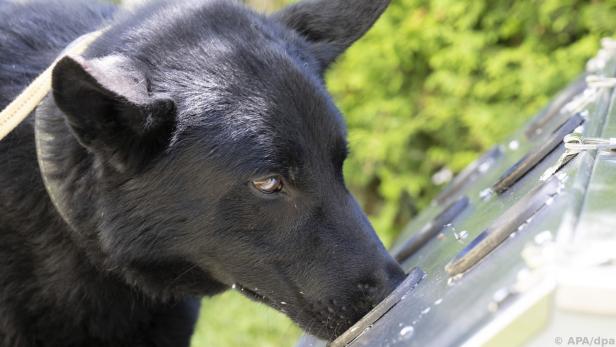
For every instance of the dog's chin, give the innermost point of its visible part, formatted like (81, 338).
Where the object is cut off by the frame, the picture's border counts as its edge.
(316, 319)
(324, 327)
(252, 295)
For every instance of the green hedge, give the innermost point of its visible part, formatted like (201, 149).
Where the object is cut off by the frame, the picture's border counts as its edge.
(436, 82)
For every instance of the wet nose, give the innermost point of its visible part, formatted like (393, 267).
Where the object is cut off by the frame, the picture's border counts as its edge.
(394, 276)
(361, 295)
(380, 283)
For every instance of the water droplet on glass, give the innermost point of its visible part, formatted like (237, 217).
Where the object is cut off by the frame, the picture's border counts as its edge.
(452, 280)
(407, 332)
(283, 303)
(484, 167)
(514, 145)
(498, 298)
(486, 194)
(452, 229)
(501, 294)
(438, 302)
(543, 237)
(461, 236)
(426, 310)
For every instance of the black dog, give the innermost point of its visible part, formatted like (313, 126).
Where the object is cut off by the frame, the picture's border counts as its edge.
(193, 148)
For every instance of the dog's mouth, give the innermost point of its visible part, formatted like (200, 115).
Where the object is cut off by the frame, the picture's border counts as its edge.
(320, 319)
(256, 296)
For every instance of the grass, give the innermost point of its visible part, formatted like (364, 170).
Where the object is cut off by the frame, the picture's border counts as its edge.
(231, 320)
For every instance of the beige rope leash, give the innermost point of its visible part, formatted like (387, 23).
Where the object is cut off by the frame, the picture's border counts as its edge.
(30, 97)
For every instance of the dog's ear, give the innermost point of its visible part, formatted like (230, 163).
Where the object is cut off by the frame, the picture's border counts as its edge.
(331, 25)
(110, 110)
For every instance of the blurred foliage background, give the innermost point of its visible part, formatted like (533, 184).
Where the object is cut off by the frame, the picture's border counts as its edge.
(433, 84)
(436, 82)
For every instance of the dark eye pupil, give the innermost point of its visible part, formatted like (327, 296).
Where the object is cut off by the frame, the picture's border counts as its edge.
(268, 185)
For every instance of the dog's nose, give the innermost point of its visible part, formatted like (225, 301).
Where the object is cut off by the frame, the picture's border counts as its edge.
(382, 281)
(394, 276)
(389, 277)
(359, 294)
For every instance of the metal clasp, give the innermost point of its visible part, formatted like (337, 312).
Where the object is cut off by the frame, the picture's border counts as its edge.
(578, 143)
(575, 144)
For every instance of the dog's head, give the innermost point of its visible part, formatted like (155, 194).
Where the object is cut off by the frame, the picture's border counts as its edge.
(219, 153)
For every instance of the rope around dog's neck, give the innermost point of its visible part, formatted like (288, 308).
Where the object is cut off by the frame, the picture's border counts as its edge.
(28, 100)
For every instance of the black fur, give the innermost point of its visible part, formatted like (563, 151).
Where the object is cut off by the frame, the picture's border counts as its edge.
(140, 199)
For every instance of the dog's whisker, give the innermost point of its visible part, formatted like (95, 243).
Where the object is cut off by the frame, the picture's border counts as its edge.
(179, 276)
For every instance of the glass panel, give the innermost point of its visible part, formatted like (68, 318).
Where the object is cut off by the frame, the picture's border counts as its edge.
(430, 230)
(504, 226)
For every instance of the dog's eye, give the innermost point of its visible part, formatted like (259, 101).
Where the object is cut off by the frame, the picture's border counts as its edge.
(268, 185)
